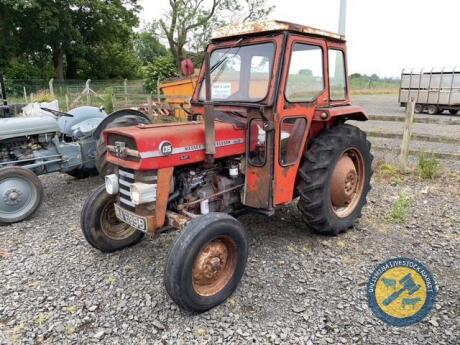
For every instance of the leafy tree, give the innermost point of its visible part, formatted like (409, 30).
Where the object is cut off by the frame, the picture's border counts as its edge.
(189, 23)
(160, 69)
(147, 45)
(66, 31)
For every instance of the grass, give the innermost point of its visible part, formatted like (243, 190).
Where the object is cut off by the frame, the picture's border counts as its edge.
(400, 208)
(427, 167)
(41, 319)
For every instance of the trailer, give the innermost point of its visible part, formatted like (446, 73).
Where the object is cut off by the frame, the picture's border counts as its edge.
(434, 90)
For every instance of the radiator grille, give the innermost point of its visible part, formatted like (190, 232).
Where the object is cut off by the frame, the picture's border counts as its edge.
(125, 180)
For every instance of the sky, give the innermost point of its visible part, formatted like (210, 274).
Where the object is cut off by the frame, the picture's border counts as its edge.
(384, 36)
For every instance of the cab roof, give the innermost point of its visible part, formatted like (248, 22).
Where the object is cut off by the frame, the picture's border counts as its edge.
(253, 28)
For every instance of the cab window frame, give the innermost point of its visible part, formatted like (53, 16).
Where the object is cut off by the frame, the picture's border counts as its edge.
(324, 71)
(345, 71)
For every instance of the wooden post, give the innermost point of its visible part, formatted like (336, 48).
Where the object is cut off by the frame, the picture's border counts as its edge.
(125, 85)
(113, 101)
(88, 92)
(149, 105)
(158, 91)
(407, 134)
(67, 103)
(51, 87)
(25, 95)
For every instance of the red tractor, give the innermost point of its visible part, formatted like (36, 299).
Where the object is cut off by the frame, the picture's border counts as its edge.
(274, 99)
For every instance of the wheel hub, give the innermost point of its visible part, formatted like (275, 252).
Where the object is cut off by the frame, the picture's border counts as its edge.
(344, 182)
(12, 197)
(210, 263)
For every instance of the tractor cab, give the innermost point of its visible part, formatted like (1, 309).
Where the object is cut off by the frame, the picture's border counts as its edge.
(273, 99)
(284, 83)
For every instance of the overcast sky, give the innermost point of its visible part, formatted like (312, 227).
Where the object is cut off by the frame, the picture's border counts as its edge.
(383, 35)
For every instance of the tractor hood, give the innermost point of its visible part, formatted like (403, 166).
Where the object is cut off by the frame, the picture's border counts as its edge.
(148, 147)
(22, 126)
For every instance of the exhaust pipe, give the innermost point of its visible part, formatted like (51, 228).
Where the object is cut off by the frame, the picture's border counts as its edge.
(209, 117)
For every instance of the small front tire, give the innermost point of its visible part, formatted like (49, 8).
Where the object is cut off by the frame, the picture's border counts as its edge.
(206, 262)
(21, 194)
(100, 226)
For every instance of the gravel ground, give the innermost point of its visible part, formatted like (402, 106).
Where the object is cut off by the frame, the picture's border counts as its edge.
(299, 288)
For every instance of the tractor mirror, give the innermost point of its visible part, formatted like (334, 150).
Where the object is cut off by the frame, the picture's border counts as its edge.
(187, 67)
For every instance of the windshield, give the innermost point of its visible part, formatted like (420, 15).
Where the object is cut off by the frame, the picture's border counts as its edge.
(240, 73)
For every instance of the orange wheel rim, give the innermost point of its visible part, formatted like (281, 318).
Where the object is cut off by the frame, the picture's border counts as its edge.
(347, 182)
(214, 266)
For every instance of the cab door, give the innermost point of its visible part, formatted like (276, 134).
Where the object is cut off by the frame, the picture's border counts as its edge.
(303, 88)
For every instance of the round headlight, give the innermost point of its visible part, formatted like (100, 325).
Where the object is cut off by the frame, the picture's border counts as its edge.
(111, 184)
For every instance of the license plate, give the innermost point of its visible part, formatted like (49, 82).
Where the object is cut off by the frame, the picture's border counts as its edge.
(132, 219)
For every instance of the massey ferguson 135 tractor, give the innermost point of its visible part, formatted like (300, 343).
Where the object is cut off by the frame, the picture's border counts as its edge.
(274, 101)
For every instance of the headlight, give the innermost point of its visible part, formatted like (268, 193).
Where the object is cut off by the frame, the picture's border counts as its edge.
(111, 184)
(142, 193)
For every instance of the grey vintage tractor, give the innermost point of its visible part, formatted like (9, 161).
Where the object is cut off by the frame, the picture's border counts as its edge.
(69, 143)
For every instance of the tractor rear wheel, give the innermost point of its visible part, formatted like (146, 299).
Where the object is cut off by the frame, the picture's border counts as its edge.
(206, 262)
(122, 118)
(21, 193)
(100, 226)
(334, 179)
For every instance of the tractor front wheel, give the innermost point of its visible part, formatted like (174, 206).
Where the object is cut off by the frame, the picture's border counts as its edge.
(334, 179)
(21, 193)
(101, 227)
(206, 262)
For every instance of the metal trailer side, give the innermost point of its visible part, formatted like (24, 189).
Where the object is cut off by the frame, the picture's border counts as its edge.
(439, 87)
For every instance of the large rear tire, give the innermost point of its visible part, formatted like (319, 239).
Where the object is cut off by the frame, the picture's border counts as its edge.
(100, 226)
(21, 193)
(119, 120)
(334, 179)
(206, 262)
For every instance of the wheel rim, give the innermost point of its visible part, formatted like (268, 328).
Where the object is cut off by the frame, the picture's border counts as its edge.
(112, 227)
(17, 197)
(347, 182)
(214, 266)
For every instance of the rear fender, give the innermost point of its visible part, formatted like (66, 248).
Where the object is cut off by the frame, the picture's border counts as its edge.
(332, 114)
(116, 115)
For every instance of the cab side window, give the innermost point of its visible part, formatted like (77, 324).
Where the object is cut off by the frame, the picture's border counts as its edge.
(337, 77)
(306, 79)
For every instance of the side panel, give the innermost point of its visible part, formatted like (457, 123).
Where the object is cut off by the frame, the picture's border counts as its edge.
(285, 176)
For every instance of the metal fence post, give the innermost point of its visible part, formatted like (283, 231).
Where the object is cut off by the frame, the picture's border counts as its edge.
(149, 105)
(51, 87)
(407, 134)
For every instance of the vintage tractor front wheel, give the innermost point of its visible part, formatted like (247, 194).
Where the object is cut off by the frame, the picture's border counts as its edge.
(334, 179)
(21, 193)
(206, 262)
(101, 227)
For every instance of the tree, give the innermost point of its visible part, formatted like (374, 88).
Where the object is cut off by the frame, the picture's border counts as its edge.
(147, 45)
(160, 69)
(65, 30)
(188, 23)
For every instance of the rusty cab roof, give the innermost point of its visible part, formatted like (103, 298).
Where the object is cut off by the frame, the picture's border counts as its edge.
(269, 26)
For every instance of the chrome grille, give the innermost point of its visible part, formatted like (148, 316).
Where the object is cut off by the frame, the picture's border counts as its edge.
(125, 180)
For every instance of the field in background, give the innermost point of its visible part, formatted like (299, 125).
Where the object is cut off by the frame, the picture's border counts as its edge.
(118, 94)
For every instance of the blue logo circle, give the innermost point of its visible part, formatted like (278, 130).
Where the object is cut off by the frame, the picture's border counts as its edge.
(401, 291)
